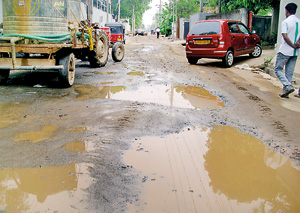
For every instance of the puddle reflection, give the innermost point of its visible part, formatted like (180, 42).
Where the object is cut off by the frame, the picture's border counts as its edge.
(47, 189)
(177, 95)
(213, 170)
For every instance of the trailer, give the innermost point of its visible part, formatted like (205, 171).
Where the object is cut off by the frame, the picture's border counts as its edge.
(49, 35)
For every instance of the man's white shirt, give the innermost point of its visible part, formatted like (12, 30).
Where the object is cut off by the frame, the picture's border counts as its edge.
(290, 26)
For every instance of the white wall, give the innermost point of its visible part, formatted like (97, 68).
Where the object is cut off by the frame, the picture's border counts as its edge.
(98, 15)
(101, 17)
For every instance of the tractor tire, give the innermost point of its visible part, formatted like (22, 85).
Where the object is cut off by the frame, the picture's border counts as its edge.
(66, 75)
(118, 52)
(99, 56)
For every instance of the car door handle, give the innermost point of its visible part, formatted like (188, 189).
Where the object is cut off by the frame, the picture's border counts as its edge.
(233, 36)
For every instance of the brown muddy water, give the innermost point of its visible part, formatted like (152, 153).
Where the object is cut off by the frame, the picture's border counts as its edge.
(36, 136)
(215, 169)
(47, 189)
(10, 113)
(176, 95)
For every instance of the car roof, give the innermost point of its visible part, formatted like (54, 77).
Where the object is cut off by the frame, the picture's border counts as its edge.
(218, 20)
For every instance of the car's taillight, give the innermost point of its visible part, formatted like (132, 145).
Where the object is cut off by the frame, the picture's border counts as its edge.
(187, 40)
(221, 39)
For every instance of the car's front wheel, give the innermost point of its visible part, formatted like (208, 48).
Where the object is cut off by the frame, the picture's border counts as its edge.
(257, 51)
(192, 60)
(228, 59)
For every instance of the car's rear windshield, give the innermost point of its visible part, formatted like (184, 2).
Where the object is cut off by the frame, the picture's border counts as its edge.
(205, 28)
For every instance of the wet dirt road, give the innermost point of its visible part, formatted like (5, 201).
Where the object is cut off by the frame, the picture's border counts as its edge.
(149, 134)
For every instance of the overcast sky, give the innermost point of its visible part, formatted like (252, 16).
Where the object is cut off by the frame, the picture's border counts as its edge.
(149, 14)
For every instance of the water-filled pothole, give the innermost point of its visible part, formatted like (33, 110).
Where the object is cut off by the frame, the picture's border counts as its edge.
(47, 189)
(213, 170)
(36, 136)
(176, 95)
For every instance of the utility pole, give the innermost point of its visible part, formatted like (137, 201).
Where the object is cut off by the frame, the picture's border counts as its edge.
(119, 19)
(133, 21)
(174, 23)
(219, 6)
(90, 11)
(107, 11)
(160, 11)
(201, 6)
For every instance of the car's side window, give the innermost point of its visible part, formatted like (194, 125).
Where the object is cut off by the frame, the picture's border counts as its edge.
(233, 28)
(243, 28)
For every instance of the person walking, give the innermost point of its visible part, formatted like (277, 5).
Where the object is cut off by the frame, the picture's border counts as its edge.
(157, 30)
(288, 50)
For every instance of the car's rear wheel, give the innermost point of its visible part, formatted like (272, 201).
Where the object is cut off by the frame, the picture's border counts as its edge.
(257, 51)
(192, 60)
(228, 59)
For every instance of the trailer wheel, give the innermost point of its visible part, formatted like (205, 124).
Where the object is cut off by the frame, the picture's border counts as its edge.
(118, 52)
(4, 76)
(67, 75)
(99, 56)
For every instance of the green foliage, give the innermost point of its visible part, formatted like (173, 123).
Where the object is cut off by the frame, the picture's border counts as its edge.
(140, 6)
(253, 5)
(187, 7)
(165, 19)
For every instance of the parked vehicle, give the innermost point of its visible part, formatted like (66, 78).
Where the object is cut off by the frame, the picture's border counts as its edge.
(221, 39)
(117, 32)
(140, 32)
(28, 43)
(116, 39)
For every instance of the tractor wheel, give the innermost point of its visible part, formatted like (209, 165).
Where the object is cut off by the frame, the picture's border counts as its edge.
(99, 56)
(67, 75)
(118, 52)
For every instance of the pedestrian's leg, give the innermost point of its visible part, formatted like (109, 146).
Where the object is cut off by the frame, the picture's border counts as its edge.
(290, 67)
(281, 61)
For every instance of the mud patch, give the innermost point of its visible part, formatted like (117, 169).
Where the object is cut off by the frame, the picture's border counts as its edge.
(77, 129)
(48, 189)
(213, 170)
(75, 146)
(10, 113)
(136, 73)
(36, 136)
(105, 73)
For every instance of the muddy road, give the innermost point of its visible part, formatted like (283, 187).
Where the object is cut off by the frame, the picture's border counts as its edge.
(149, 134)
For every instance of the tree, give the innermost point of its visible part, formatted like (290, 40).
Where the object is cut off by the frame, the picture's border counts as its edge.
(165, 19)
(140, 6)
(252, 5)
(187, 7)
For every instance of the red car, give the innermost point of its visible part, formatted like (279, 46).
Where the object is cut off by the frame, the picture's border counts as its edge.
(221, 39)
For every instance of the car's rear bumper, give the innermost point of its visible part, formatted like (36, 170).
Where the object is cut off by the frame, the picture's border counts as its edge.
(219, 52)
